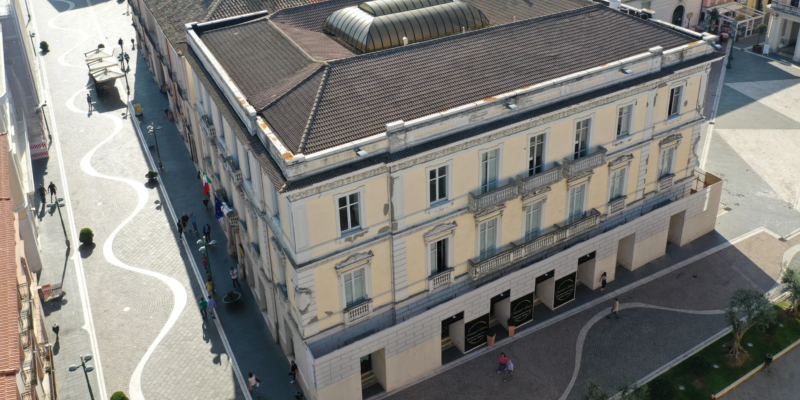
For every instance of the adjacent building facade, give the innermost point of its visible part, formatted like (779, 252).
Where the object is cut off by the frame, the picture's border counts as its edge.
(784, 28)
(406, 176)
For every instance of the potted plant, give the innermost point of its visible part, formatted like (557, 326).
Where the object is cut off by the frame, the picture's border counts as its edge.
(151, 176)
(101, 46)
(512, 327)
(44, 46)
(231, 297)
(490, 335)
(119, 396)
(86, 236)
(761, 29)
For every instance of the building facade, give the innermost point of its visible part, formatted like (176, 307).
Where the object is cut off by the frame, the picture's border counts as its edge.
(783, 35)
(389, 206)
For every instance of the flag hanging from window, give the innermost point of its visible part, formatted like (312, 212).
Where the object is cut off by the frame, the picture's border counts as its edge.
(206, 184)
(218, 208)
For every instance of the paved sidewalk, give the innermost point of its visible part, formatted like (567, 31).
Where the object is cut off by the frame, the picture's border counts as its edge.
(779, 382)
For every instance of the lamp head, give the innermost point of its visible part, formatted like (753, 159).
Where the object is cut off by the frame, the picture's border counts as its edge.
(73, 367)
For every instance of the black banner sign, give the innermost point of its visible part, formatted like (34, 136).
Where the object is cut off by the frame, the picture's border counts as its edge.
(565, 290)
(475, 332)
(522, 309)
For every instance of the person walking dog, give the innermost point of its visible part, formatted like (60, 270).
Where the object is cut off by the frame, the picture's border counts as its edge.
(614, 309)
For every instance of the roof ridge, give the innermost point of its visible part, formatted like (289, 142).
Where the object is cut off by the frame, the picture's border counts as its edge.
(293, 88)
(431, 42)
(314, 109)
(211, 10)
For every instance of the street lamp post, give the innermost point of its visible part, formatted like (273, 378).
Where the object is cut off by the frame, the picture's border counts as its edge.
(152, 130)
(86, 370)
(58, 207)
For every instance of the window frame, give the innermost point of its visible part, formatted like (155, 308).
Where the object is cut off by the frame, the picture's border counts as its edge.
(584, 200)
(448, 184)
(682, 88)
(498, 229)
(499, 158)
(526, 236)
(361, 212)
(674, 149)
(545, 134)
(617, 133)
(589, 131)
(367, 276)
(624, 186)
(449, 253)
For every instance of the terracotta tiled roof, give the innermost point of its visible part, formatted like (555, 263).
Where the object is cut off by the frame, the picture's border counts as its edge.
(363, 93)
(9, 325)
(8, 387)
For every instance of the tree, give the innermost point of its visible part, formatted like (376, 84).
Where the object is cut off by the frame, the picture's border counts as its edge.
(594, 392)
(712, 16)
(748, 308)
(791, 278)
(628, 391)
(761, 29)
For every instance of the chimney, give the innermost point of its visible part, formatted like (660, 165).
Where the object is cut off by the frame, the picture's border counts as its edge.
(405, 41)
(614, 4)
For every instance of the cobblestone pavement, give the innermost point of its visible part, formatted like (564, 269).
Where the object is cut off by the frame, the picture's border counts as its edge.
(129, 281)
(544, 360)
(780, 382)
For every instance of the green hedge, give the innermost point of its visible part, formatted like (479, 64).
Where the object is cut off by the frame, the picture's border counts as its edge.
(86, 236)
(119, 396)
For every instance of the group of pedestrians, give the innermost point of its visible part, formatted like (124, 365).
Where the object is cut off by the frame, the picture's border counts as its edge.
(42, 192)
(253, 382)
(506, 365)
(183, 225)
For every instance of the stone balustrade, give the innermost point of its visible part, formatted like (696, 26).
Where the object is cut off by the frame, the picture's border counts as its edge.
(573, 168)
(533, 183)
(483, 201)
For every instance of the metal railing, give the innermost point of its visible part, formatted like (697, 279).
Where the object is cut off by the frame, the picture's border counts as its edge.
(478, 269)
(482, 201)
(573, 168)
(666, 182)
(530, 184)
(441, 279)
(617, 205)
(358, 311)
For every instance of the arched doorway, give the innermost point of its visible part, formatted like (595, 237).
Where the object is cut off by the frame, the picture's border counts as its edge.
(677, 16)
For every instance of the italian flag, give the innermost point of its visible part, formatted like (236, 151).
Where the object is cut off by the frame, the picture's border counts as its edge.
(206, 184)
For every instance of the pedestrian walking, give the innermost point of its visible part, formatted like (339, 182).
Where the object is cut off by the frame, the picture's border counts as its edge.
(210, 286)
(203, 307)
(133, 46)
(614, 309)
(193, 220)
(293, 372)
(503, 361)
(52, 189)
(89, 100)
(510, 368)
(184, 220)
(212, 305)
(42, 193)
(205, 201)
(253, 382)
(180, 230)
(235, 277)
(204, 260)
(603, 282)
(207, 233)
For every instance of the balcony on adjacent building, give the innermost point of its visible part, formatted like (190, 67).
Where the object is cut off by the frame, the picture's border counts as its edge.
(357, 311)
(483, 201)
(574, 168)
(791, 7)
(617, 205)
(479, 269)
(207, 126)
(441, 279)
(233, 170)
(534, 183)
(665, 182)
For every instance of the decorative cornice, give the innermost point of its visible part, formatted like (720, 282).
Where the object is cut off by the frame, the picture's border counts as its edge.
(580, 176)
(676, 137)
(537, 193)
(477, 141)
(491, 210)
(355, 258)
(439, 229)
(620, 160)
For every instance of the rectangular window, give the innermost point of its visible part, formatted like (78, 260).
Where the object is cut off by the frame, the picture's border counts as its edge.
(438, 256)
(617, 184)
(667, 159)
(490, 164)
(576, 196)
(624, 120)
(349, 213)
(533, 217)
(354, 286)
(536, 154)
(674, 101)
(488, 238)
(581, 138)
(437, 184)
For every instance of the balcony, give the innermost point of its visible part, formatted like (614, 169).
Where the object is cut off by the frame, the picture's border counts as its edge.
(481, 202)
(574, 168)
(357, 312)
(534, 183)
(207, 126)
(479, 269)
(24, 291)
(665, 182)
(616, 205)
(791, 7)
(440, 280)
(233, 170)
(233, 218)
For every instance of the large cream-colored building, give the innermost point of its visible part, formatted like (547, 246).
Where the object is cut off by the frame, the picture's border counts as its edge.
(408, 174)
(783, 36)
